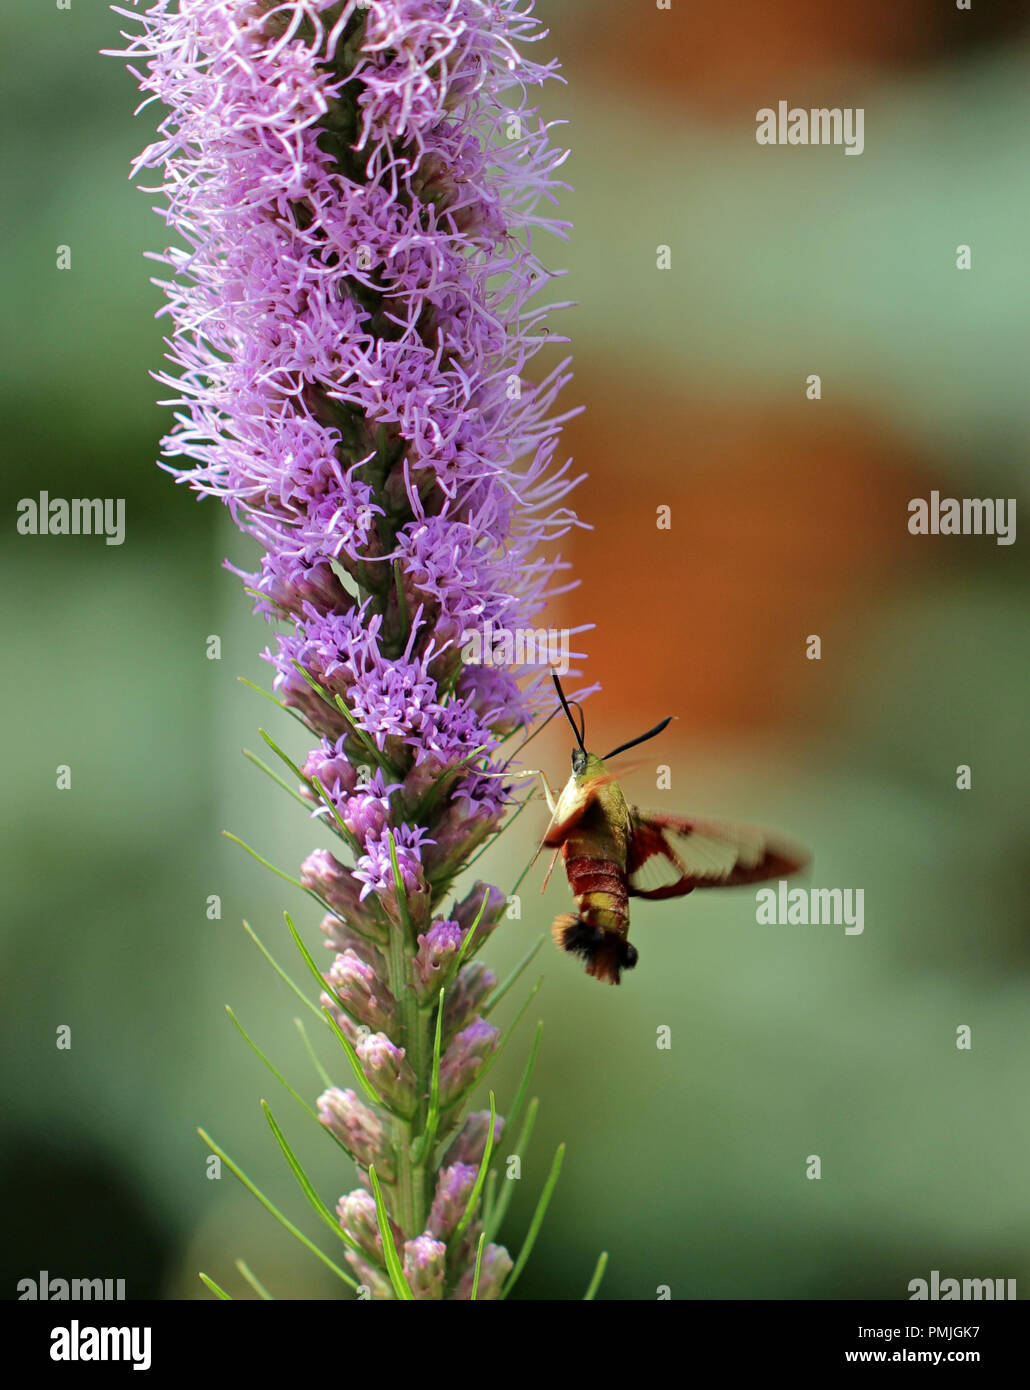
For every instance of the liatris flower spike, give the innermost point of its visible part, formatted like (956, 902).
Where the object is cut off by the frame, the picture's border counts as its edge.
(355, 191)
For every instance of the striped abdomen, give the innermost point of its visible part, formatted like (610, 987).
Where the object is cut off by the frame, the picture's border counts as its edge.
(599, 887)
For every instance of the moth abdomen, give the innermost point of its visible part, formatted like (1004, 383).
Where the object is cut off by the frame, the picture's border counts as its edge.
(606, 952)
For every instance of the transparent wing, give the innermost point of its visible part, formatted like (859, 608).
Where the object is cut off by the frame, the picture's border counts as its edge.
(673, 855)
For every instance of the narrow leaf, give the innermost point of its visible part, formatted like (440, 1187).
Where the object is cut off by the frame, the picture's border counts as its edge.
(479, 1263)
(393, 1264)
(595, 1282)
(323, 1075)
(503, 988)
(279, 781)
(469, 935)
(282, 1081)
(306, 1186)
(282, 973)
(279, 872)
(254, 1282)
(271, 1207)
(398, 885)
(537, 1222)
(285, 757)
(278, 703)
(499, 1209)
(477, 1186)
(344, 1041)
(355, 1062)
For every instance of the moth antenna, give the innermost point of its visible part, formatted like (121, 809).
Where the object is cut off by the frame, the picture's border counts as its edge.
(582, 720)
(568, 712)
(530, 737)
(651, 733)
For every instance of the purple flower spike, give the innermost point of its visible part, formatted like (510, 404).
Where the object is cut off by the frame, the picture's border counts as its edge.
(354, 192)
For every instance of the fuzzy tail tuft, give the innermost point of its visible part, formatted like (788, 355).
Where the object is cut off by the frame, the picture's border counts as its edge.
(607, 953)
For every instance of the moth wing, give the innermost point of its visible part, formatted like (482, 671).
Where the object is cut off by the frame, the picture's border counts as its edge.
(672, 855)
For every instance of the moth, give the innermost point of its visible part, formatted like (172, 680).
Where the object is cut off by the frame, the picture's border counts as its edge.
(614, 852)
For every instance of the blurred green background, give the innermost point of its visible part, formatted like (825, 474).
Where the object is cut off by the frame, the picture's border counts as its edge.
(687, 1165)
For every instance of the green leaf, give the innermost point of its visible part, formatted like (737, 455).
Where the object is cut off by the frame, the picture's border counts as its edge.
(398, 884)
(284, 756)
(344, 1041)
(479, 1263)
(489, 1198)
(282, 973)
(306, 1186)
(503, 988)
(254, 1282)
(515, 1109)
(323, 1075)
(467, 942)
(278, 703)
(355, 1062)
(282, 1081)
(507, 1035)
(344, 831)
(537, 1222)
(393, 1264)
(216, 1289)
(271, 1207)
(279, 781)
(595, 1282)
(500, 1209)
(279, 872)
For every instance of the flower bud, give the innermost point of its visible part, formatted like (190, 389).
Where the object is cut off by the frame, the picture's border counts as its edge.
(376, 1280)
(453, 1189)
(466, 912)
(425, 1266)
(473, 986)
(389, 1071)
(437, 949)
(465, 1058)
(364, 995)
(359, 1129)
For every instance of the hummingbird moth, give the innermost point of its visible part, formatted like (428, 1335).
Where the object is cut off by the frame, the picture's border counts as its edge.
(614, 852)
